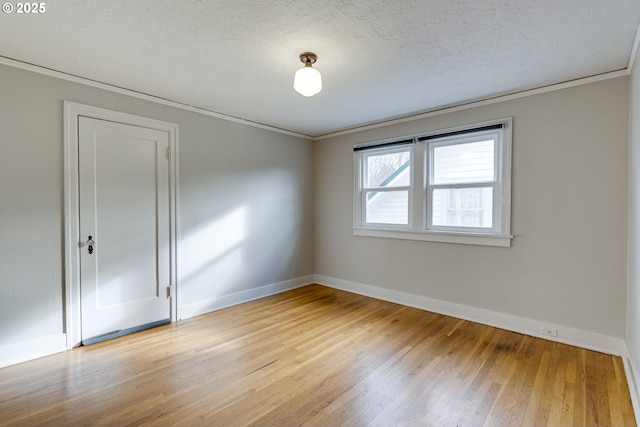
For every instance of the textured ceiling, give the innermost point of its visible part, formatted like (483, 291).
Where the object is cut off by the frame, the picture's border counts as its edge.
(379, 59)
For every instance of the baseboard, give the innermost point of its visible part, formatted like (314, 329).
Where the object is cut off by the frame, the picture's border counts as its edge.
(566, 335)
(631, 372)
(33, 349)
(186, 311)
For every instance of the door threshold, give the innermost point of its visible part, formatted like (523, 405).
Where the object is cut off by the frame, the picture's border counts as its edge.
(122, 332)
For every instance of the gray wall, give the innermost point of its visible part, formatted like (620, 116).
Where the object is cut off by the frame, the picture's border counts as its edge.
(633, 283)
(567, 263)
(258, 180)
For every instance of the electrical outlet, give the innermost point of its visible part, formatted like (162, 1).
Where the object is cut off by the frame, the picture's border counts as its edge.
(549, 330)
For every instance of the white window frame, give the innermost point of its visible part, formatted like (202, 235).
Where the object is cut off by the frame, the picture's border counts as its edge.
(361, 167)
(420, 222)
(495, 184)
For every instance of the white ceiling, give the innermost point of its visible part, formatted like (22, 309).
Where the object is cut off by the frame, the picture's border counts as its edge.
(379, 59)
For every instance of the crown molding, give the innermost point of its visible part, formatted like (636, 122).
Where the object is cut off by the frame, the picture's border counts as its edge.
(479, 103)
(141, 95)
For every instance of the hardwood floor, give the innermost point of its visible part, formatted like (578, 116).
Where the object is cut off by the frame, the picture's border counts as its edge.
(316, 356)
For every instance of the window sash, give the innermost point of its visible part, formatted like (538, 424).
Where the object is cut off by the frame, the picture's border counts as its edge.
(362, 165)
(367, 222)
(379, 152)
(431, 146)
(381, 189)
(469, 136)
(495, 208)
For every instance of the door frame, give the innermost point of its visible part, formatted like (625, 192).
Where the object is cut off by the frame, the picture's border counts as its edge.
(71, 233)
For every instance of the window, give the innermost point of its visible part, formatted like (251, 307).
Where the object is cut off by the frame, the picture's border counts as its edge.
(462, 179)
(465, 191)
(387, 182)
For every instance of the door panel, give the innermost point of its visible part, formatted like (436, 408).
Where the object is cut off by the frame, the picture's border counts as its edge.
(124, 207)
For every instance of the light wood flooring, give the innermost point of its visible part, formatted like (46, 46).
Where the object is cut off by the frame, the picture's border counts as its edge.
(316, 356)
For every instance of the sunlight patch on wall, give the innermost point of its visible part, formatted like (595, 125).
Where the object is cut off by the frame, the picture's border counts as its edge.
(211, 256)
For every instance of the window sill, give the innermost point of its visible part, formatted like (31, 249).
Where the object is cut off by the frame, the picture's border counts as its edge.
(503, 241)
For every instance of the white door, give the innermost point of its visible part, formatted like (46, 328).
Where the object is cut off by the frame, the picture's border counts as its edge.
(125, 227)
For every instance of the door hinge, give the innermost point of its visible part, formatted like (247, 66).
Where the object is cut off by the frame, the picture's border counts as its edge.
(168, 291)
(168, 153)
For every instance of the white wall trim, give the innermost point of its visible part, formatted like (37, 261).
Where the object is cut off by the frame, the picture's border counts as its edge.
(479, 103)
(72, 111)
(28, 350)
(436, 236)
(634, 51)
(224, 301)
(566, 335)
(123, 91)
(631, 372)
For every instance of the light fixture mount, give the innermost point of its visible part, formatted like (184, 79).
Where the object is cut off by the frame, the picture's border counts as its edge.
(308, 57)
(307, 81)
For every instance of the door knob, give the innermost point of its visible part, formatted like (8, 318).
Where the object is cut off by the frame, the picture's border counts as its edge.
(89, 242)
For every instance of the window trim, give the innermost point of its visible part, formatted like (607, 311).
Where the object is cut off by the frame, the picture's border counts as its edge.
(498, 236)
(503, 241)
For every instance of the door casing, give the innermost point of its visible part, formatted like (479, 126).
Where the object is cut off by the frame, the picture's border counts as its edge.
(72, 111)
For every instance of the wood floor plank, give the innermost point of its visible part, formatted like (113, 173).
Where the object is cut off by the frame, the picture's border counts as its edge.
(580, 406)
(317, 356)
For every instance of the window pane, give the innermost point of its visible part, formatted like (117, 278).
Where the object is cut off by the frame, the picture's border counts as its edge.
(463, 207)
(388, 170)
(387, 207)
(471, 162)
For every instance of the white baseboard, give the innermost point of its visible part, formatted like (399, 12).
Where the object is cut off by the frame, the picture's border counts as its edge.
(28, 350)
(631, 371)
(566, 335)
(186, 311)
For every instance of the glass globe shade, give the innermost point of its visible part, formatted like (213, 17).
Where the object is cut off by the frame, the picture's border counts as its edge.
(307, 81)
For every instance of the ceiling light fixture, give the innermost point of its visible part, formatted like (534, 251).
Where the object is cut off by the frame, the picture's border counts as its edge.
(308, 80)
